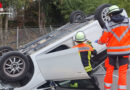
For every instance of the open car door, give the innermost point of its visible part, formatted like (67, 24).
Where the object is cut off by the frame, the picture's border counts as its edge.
(62, 65)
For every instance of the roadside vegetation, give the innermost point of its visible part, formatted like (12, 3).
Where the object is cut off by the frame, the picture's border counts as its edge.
(43, 13)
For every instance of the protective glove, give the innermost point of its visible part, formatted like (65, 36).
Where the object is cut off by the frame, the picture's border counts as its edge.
(89, 42)
(96, 41)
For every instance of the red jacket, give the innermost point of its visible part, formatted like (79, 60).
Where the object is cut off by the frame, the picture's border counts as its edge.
(117, 38)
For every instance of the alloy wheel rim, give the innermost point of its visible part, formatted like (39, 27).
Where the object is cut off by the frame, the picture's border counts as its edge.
(14, 66)
(104, 15)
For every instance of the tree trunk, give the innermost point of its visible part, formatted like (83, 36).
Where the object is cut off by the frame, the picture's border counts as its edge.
(39, 15)
(6, 24)
(40, 19)
(6, 29)
(44, 23)
(1, 32)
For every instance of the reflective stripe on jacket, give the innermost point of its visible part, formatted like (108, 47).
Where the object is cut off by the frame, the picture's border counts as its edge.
(83, 47)
(117, 38)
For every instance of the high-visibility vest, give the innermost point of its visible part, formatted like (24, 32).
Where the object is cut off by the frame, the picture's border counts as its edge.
(117, 38)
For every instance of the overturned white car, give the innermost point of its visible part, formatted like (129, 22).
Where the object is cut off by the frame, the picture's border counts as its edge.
(51, 58)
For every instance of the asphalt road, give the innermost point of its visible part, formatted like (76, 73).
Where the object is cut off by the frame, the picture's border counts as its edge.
(115, 80)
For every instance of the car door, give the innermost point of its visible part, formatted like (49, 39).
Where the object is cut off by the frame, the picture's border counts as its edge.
(62, 65)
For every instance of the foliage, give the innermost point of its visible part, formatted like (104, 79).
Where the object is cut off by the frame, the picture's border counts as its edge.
(58, 11)
(68, 6)
(52, 14)
(18, 4)
(31, 15)
(122, 4)
(88, 6)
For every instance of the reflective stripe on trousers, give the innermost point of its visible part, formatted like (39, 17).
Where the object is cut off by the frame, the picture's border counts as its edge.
(122, 87)
(107, 86)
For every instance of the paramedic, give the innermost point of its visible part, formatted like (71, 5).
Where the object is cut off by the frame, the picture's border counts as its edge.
(116, 36)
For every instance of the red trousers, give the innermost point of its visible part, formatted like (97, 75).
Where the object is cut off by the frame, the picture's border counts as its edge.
(123, 65)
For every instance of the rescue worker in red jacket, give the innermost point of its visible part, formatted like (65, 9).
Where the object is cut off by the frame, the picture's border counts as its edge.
(117, 39)
(85, 51)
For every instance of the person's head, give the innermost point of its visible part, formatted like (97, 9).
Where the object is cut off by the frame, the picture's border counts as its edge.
(80, 37)
(114, 10)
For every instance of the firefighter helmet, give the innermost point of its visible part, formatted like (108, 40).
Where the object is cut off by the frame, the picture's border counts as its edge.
(80, 36)
(114, 9)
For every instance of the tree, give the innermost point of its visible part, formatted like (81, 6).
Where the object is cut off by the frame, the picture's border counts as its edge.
(88, 6)
(16, 5)
(67, 6)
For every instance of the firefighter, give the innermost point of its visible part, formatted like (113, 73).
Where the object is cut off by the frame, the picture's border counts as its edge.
(85, 51)
(116, 37)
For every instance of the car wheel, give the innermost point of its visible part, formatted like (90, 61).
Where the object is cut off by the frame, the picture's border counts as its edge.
(77, 17)
(5, 49)
(13, 67)
(101, 14)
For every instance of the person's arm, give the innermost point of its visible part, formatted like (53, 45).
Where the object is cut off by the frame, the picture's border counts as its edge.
(104, 38)
(94, 52)
(89, 43)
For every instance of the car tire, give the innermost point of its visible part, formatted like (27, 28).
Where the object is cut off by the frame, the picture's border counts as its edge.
(13, 67)
(101, 14)
(77, 17)
(5, 49)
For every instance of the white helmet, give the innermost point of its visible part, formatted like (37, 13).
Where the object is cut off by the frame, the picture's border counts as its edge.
(114, 9)
(80, 36)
